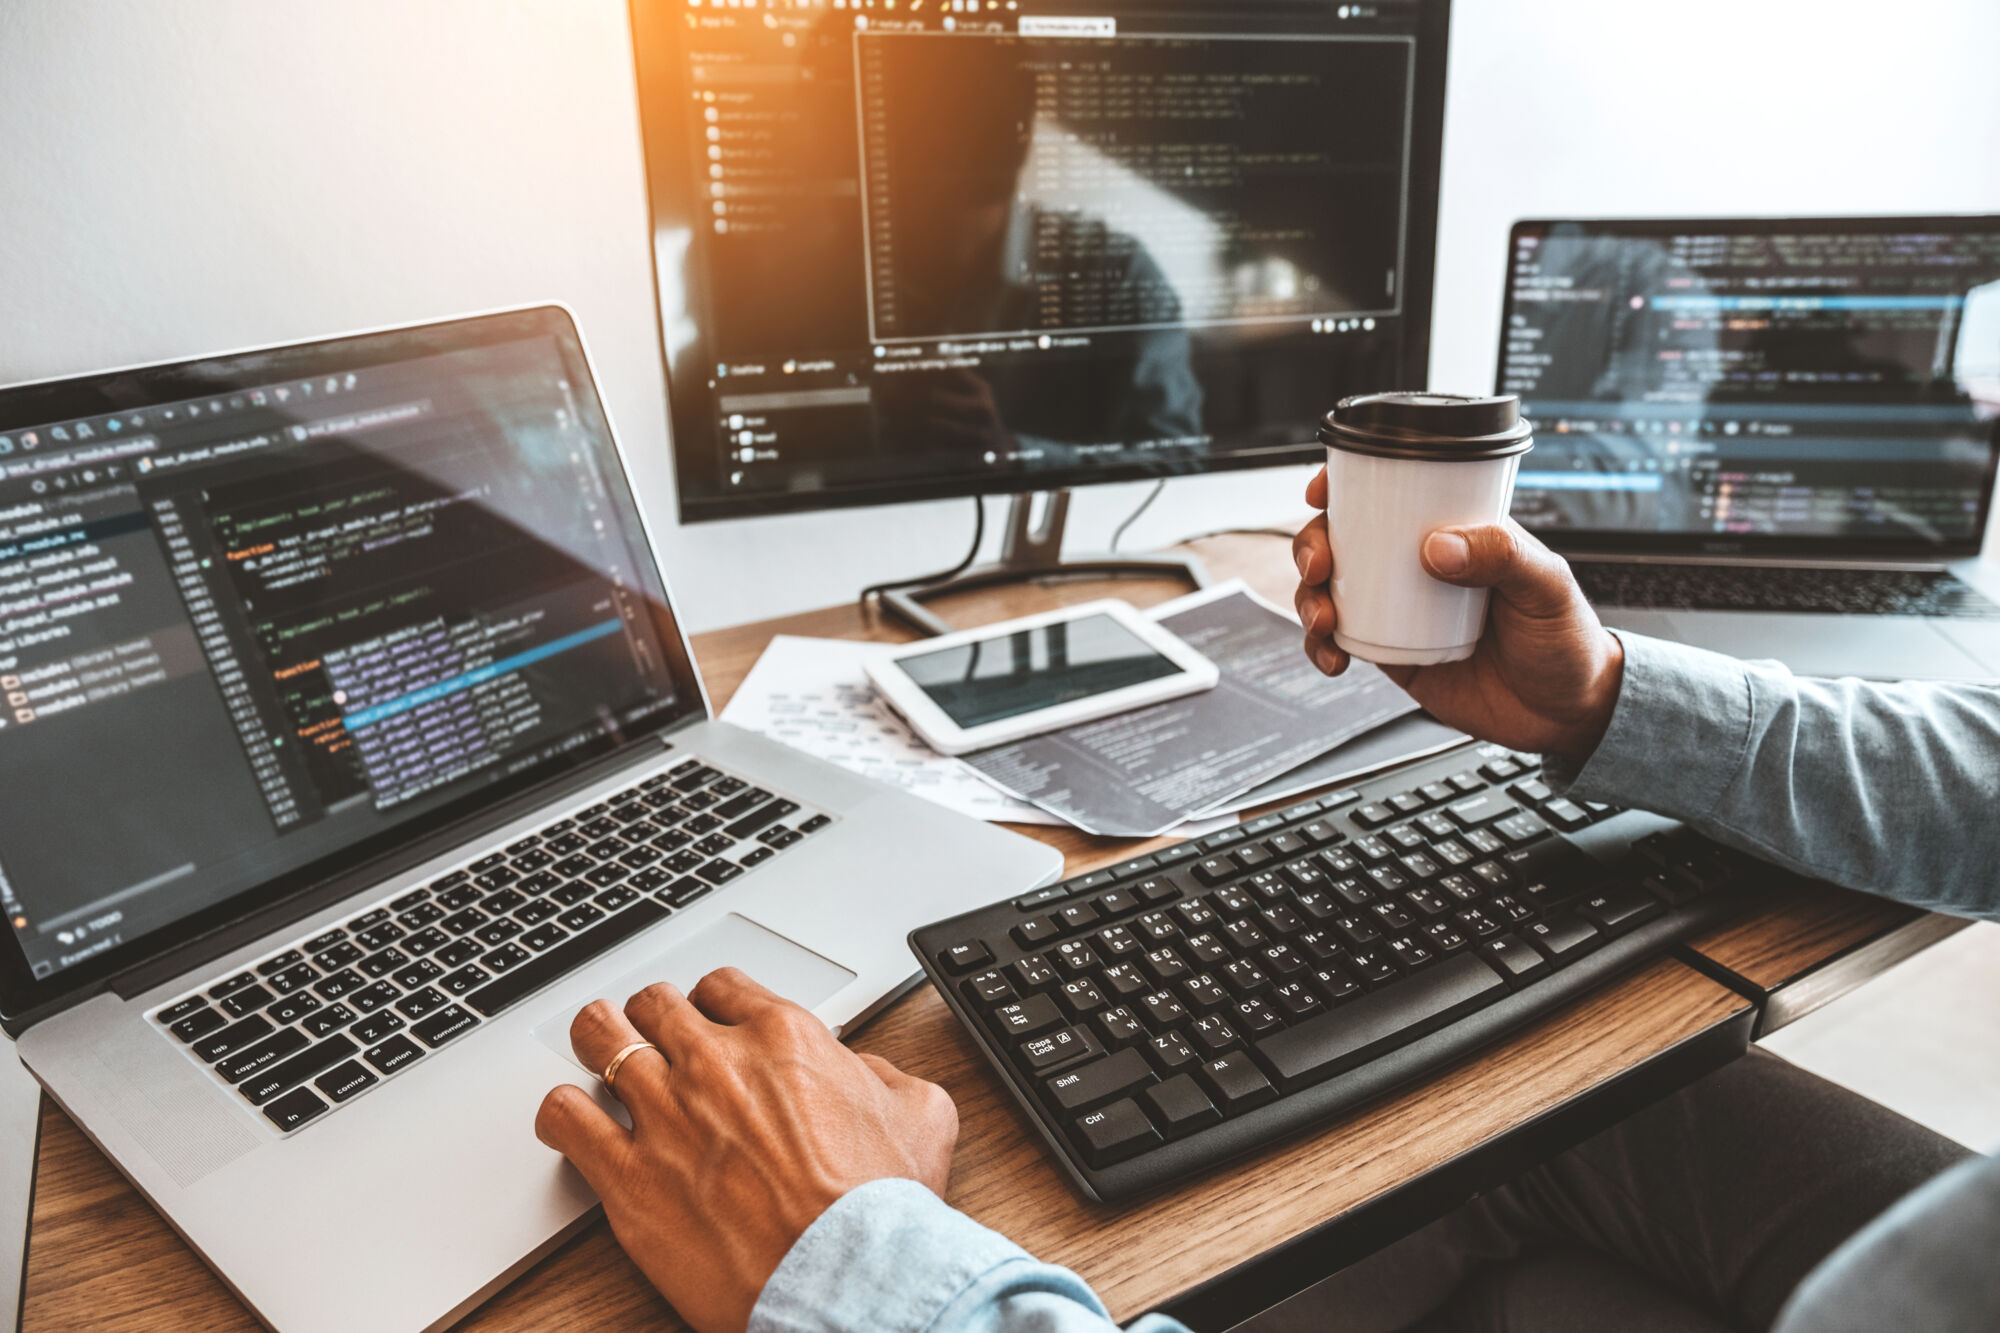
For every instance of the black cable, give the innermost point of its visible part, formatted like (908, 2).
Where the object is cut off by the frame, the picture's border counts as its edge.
(978, 536)
(1133, 517)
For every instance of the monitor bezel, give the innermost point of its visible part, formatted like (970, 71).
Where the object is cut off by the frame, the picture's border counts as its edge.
(1753, 545)
(23, 998)
(688, 406)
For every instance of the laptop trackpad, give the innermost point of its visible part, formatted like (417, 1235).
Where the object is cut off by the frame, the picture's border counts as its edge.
(793, 971)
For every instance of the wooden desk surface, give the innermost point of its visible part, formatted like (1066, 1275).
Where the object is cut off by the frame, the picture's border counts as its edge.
(99, 1258)
(1812, 944)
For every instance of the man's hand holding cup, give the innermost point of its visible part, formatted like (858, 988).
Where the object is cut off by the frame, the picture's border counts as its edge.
(1543, 674)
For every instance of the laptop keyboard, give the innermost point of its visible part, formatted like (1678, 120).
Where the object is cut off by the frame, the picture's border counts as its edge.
(328, 1017)
(1866, 592)
(1187, 1006)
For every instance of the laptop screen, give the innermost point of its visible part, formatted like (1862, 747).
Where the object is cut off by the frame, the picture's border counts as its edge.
(1757, 384)
(263, 614)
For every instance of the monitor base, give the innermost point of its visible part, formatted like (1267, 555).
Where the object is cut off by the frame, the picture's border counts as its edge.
(1031, 550)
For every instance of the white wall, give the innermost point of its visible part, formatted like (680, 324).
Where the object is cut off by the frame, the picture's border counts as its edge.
(179, 176)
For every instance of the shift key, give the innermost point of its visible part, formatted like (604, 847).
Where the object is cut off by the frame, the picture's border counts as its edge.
(1116, 1075)
(260, 1088)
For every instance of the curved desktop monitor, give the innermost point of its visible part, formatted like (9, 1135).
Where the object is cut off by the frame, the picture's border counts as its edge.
(949, 247)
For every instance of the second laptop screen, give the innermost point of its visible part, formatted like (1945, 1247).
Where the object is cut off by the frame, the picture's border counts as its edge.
(1755, 379)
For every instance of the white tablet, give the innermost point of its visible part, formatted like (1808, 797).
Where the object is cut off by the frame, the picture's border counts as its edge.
(998, 683)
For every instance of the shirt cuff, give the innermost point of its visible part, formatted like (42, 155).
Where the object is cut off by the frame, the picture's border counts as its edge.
(1679, 733)
(888, 1256)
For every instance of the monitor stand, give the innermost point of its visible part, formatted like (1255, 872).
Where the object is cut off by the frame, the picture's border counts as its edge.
(1031, 550)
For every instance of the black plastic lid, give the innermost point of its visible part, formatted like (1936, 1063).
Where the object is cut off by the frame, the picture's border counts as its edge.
(1429, 425)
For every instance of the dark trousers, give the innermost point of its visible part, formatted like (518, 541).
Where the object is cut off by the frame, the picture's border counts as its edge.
(1699, 1214)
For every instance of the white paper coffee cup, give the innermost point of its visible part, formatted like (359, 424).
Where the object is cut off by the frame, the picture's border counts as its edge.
(1398, 467)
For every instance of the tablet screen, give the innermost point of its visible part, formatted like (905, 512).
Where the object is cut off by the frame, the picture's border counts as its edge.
(1032, 669)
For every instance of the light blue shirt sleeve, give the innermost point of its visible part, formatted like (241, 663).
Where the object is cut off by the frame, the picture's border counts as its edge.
(1887, 788)
(891, 1257)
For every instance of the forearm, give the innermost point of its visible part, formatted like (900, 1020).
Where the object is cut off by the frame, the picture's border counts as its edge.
(1886, 788)
(890, 1257)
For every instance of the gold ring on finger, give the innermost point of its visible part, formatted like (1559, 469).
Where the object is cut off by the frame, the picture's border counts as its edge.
(618, 1062)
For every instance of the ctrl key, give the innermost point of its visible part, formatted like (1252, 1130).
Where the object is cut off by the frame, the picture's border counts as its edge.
(1116, 1132)
(294, 1109)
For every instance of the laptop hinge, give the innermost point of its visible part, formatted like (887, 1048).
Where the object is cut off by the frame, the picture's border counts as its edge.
(142, 977)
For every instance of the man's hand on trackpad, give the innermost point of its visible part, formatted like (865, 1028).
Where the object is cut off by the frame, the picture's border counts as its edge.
(748, 1121)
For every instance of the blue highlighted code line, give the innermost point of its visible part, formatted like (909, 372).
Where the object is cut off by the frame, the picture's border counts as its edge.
(381, 712)
(1702, 302)
(1589, 481)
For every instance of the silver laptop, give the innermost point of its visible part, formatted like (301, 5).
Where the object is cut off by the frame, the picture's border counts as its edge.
(1774, 438)
(350, 746)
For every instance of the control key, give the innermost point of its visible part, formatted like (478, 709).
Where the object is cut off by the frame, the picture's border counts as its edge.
(1116, 1132)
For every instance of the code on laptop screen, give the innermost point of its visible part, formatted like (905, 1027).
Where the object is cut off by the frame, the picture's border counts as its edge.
(242, 631)
(1837, 380)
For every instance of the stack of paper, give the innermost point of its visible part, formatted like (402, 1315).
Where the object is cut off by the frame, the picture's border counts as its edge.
(1140, 773)
(814, 695)
(1272, 728)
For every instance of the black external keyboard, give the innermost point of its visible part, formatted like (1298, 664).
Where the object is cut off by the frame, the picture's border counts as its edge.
(326, 1018)
(1162, 1015)
(1871, 592)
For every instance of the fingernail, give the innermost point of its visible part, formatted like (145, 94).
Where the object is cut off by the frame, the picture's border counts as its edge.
(1299, 559)
(1447, 552)
(1328, 660)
